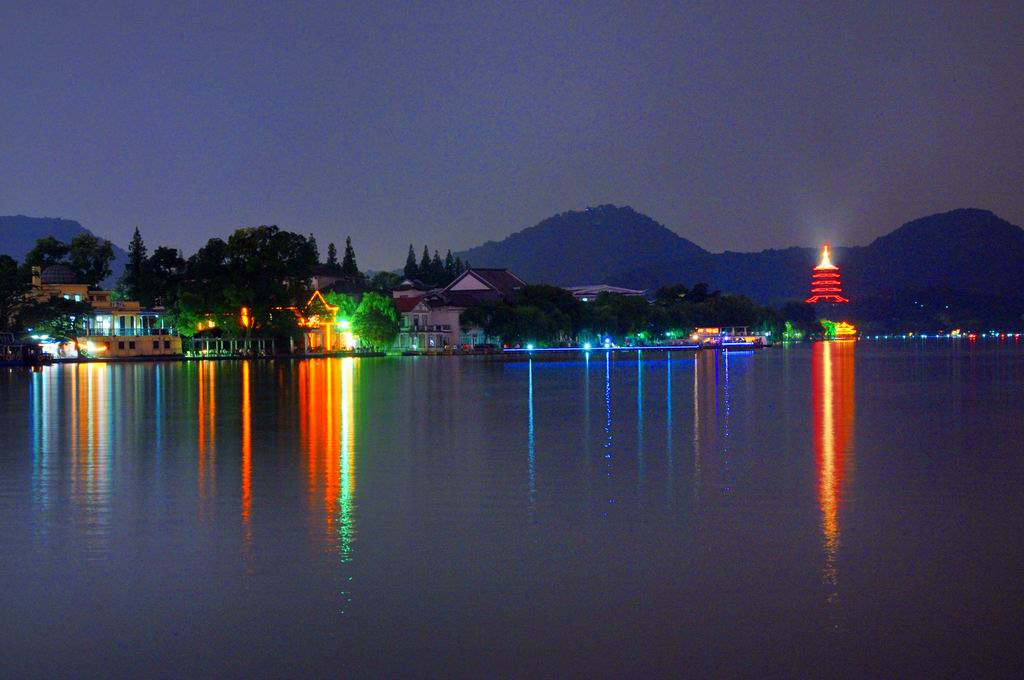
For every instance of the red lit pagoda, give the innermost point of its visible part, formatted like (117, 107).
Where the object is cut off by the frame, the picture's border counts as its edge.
(825, 283)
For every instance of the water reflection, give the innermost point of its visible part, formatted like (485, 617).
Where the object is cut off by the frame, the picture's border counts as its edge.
(531, 453)
(206, 436)
(327, 432)
(832, 374)
(246, 413)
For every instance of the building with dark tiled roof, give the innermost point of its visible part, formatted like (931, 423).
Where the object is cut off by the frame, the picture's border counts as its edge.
(431, 318)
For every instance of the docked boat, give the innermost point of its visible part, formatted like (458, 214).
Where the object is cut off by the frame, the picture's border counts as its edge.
(14, 353)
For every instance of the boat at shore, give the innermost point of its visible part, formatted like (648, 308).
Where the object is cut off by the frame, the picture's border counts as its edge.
(14, 353)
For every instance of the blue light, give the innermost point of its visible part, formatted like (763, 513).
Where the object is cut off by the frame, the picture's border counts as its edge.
(586, 346)
(529, 347)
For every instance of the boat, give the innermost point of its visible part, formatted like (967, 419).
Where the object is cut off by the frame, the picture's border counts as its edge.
(14, 353)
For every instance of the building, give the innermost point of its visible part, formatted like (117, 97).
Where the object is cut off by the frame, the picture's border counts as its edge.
(590, 293)
(322, 276)
(826, 284)
(431, 319)
(322, 330)
(113, 328)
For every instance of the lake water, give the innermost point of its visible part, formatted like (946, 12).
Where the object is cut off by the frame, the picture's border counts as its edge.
(815, 510)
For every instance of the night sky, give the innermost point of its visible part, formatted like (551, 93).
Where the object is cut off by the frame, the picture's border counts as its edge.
(740, 127)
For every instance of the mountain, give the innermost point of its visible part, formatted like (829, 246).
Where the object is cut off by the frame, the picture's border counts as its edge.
(576, 246)
(968, 250)
(19, 233)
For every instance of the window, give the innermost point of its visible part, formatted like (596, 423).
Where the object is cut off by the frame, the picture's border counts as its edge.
(78, 298)
(131, 344)
(167, 344)
(156, 344)
(66, 296)
(120, 344)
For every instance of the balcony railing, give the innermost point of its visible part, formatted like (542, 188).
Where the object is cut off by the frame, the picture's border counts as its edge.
(126, 332)
(427, 328)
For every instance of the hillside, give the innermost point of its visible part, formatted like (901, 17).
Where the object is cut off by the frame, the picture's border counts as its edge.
(19, 233)
(576, 246)
(968, 249)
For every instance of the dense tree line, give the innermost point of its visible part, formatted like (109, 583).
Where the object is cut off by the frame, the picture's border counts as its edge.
(433, 271)
(264, 269)
(551, 315)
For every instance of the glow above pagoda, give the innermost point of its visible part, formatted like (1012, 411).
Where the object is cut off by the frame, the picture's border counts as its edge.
(826, 285)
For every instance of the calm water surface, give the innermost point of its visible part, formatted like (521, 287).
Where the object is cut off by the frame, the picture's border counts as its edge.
(826, 510)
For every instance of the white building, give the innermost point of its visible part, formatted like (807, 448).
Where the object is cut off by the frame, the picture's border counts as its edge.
(431, 318)
(590, 293)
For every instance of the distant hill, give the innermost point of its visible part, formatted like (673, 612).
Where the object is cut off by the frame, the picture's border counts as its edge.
(576, 246)
(19, 233)
(969, 250)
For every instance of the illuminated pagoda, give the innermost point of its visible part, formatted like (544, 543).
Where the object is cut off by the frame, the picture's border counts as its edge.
(826, 285)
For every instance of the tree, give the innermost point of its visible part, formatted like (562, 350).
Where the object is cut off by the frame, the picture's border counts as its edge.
(203, 288)
(348, 262)
(449, 266)
(164, 272)
(133, 281)
(437, 270)
(332, 256)
(383, 282)
(57, 317)
(266, 268)
(14, 291)
(47, 251)
(424, 267)
(346, 304)
(376, 321)
(316, 251)
(670, 295)
(89, 258)
(411, 271)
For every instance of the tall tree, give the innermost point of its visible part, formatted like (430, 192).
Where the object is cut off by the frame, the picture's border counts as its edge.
(89, 257)
(411, 271)
(164, 272)
(14, 291)
(425, 265)
(332, 255)
(133, 281)
(449, 266)
(316, 251)
(437, 269)
(348, 262)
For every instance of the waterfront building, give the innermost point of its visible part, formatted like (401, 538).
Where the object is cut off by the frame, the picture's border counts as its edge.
(725, 336)
(431, 319)
(322, 330)
(826, 284)
(113, 328)
(590, 293)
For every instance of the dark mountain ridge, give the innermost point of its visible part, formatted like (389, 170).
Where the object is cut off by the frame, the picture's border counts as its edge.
(967, 249)
(569, 248)
(19, 233)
